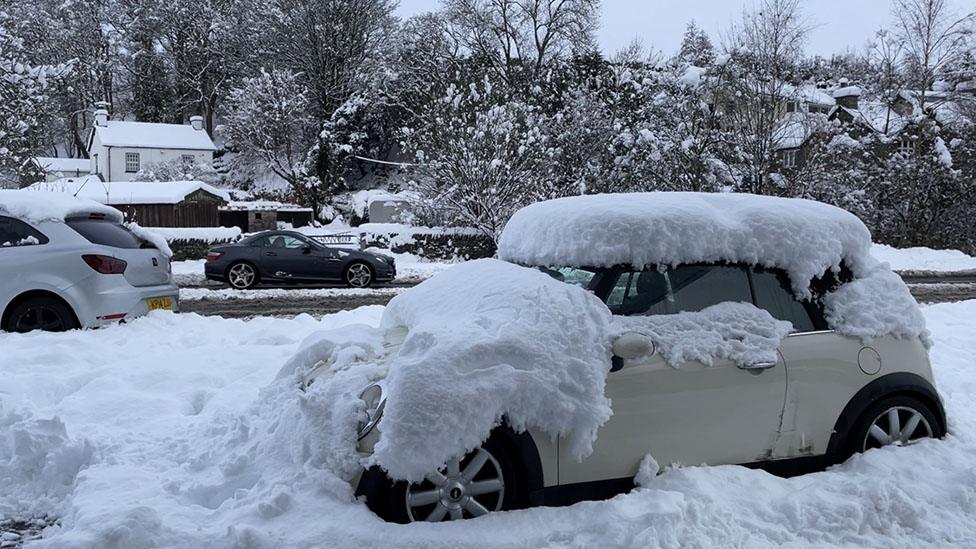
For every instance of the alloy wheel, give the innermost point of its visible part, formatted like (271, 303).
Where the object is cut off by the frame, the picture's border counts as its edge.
(463, 488)
(898, 425)
(241, 276)
(39, 317)
(358, 275)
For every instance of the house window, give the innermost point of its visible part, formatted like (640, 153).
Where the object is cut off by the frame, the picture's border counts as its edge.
(188, 158)
(131, 162)
(792, 106)
(789, 158)
(905, 146)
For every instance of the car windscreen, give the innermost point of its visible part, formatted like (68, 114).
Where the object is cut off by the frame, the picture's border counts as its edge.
(571, 275)
(106, 233)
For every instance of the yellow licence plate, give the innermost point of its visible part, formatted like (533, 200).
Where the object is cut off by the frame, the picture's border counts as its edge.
(154, 303)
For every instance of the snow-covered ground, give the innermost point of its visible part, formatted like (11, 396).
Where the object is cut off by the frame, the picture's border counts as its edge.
(923, 259)
(157, 433)
(192, 294)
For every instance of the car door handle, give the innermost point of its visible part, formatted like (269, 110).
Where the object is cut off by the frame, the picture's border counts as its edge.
(270, 253)
(757, 365)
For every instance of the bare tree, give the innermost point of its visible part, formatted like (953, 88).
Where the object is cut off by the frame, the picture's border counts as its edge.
(933, 37)
(764, 51)
(519, 37)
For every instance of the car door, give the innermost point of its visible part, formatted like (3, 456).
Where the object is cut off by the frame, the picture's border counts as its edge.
(694, 414)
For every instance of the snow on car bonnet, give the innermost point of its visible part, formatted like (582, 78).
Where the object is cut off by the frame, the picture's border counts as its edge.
(37, 206)
(487, 341)
(803, 237)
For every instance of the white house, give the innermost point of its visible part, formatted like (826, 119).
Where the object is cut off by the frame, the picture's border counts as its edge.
(119, 149)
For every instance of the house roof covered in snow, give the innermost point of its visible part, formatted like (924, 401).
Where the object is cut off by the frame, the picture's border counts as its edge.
(119, 193)
(148, 135)
(66, 165)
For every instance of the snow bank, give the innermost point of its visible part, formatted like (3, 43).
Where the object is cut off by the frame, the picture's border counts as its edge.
(739, 332)
(923, 259)
(37, 206)
(803, 237)
(488, 340)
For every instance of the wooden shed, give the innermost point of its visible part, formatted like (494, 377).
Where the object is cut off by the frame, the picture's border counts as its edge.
(150, 204)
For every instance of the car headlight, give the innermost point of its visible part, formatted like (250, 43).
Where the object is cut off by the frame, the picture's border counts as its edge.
(375, 402)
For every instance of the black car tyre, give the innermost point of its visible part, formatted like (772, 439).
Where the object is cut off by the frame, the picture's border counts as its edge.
(242, 275)
(358, 275)
(41, 313)
(483, 481)
(896, 420)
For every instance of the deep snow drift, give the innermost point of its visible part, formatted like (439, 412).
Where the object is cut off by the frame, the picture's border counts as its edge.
(177, 447)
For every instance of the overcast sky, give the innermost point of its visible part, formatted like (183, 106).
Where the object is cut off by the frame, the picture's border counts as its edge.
(839, 25)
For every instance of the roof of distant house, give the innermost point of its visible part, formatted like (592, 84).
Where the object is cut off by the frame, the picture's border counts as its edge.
(68, 165)
(128, 192)
(848, 91)
(153, 136)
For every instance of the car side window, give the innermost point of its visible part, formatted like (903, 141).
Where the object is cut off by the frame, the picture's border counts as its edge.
(674, 290)
(14, 232)
(774, 294)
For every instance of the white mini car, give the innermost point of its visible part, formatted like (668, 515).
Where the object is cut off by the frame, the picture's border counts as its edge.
(68, 263)
(850, 372)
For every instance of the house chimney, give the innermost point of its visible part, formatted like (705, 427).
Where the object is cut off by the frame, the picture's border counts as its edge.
(197, 122)
(101, 114)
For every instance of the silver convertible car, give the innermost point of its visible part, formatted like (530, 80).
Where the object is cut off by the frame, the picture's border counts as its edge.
(842, 381)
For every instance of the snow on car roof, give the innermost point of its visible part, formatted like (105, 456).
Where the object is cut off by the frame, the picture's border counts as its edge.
(153, 136)
(128, 192)
(803, 237)
(37, 206)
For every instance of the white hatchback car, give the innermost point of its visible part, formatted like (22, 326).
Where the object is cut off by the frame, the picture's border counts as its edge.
(689, 282)
(68, 263)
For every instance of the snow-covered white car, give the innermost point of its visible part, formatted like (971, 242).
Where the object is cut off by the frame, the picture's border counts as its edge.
(70, 263)
(619, 332)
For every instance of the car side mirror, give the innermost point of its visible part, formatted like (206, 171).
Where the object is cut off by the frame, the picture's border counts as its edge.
(630, 346)
(306, 249)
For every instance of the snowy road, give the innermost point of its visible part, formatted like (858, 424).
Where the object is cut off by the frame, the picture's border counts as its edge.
(158, 433)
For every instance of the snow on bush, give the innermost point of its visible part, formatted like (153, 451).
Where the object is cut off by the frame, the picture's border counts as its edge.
(803, 237)
(740, 332)
(488, 341)
(38, 206)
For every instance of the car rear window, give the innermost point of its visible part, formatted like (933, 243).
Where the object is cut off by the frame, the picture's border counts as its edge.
(106, 233)
(14, 232)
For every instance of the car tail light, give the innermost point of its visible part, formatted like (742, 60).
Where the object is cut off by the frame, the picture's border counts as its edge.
(104, 264)
(214, 256)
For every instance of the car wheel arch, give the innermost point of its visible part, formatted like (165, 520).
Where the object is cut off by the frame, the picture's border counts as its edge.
(34, 294)
(894, 384)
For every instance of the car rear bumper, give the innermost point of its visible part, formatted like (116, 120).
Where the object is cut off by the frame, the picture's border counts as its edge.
(102, 300)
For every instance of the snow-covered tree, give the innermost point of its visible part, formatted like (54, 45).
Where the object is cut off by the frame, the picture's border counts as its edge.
(269, 120)
(696, 47)
(25, 106)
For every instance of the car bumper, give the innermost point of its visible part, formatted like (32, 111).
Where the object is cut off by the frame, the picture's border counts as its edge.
(107, 299)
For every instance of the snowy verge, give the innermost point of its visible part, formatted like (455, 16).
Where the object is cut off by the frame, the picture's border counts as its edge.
(488, 341)
(740, 332)
(207, 234)
(924, 260)
(222, 294)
